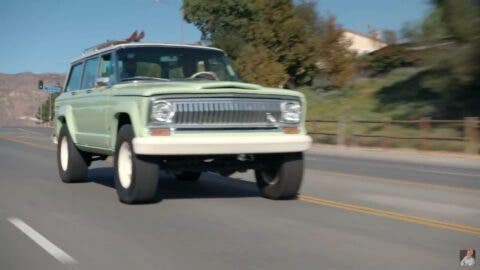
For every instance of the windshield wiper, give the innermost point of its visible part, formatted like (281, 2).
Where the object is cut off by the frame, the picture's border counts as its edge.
(145, 78)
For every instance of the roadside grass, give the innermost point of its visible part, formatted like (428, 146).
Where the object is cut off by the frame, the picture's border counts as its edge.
(396, 95)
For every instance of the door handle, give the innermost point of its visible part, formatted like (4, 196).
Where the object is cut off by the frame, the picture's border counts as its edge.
(89, 91)
(74, 93)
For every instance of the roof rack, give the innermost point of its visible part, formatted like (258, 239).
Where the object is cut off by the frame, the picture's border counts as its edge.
(134, 37)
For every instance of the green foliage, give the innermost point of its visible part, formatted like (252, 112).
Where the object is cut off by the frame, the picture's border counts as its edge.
(257, 65)
(335, 60)
(387, 60)
(396, 95)
(389, 36)
(288, 36)
(454, 70)
(45, 113)
(432, 27)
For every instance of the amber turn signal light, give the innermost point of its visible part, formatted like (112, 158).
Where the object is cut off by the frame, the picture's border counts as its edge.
(160, 131)
(291, 130)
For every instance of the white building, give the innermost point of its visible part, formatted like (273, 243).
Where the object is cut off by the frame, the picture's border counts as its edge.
(362, 44)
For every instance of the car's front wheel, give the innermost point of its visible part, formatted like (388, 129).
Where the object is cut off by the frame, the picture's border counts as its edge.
(136, 177)
(72, 162)
(280, 176)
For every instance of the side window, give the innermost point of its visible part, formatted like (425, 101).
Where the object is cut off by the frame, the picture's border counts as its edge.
(106, 67)
(75, 77)
(90, 73)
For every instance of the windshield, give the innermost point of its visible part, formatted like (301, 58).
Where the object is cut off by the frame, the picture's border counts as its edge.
(167, 63)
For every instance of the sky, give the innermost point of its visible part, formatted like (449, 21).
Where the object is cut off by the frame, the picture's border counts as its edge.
(45, 35)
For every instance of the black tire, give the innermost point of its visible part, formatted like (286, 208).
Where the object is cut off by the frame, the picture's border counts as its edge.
(188, 176)
(144, 173)
(281, 175)
(75, 167)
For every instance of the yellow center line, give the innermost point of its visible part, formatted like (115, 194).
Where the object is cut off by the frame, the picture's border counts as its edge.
(398, 181)
(392, 215)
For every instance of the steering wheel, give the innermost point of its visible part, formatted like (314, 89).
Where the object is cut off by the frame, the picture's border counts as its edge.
(210, 74)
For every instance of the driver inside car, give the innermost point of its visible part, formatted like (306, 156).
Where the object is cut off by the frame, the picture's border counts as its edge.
(129, 69)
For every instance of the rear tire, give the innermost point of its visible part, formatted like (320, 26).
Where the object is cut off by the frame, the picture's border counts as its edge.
(72, 162)
(136, 177)
(281, 175)
(188, 176)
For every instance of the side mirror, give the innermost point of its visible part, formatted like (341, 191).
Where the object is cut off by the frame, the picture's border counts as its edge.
(102, 81)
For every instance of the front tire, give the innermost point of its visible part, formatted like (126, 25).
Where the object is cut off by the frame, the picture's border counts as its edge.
(136, 177)
(188, 176)
(72, 162)
(281, 175)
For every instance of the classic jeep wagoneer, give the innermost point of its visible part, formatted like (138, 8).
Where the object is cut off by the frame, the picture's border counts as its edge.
(180, 109)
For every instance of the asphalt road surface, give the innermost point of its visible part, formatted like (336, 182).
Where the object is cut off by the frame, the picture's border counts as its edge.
(353, 213)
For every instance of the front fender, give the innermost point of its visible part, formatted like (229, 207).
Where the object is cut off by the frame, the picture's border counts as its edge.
(136, 111)
(64, 114)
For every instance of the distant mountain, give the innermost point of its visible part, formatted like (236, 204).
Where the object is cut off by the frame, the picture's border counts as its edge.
(20, 98)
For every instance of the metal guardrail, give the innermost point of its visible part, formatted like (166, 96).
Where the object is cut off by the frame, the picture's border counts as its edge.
(470, 128)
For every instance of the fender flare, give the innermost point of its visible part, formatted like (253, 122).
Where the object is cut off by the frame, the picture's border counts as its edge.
(64, 114)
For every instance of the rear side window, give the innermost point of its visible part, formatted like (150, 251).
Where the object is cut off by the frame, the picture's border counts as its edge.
(90, 73)
(75, 77)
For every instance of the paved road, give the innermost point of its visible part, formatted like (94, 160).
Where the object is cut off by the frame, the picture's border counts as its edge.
(353, 213)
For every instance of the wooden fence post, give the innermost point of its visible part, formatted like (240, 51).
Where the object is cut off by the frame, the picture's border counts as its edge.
(341, 131)
(386, 142)
(472, 138)
(424, 132)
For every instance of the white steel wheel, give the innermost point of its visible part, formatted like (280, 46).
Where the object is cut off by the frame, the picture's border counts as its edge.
(64, 153)
(125, 165)
(72, 163)
(136, 177)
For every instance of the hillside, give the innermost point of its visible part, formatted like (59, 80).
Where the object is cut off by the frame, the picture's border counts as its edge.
(19, 97)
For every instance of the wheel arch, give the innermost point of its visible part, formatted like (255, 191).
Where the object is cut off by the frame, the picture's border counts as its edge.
(65, 117)
(122, 118)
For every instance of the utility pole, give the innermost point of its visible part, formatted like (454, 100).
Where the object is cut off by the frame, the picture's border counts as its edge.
(182, 23)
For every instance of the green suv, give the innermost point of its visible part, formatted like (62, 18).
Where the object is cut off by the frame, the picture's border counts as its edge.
(179, 109)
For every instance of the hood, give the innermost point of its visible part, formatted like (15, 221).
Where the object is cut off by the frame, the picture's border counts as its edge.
(142, 88)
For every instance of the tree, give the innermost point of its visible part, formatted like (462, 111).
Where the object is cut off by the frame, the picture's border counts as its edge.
(46, 111)
(336, 61)
(454, 70)
(285, 34)
(389, 36)
(257, 65)
(432, 27)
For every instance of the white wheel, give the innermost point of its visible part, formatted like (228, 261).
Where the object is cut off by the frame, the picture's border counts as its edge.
(125, 165)
(72, 163)
(64, 153)
(136, 177)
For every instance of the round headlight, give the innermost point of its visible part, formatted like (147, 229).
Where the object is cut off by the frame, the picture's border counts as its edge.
(163, 111)
(291, 111)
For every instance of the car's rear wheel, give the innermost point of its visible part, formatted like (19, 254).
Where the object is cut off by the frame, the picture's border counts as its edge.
(280, 176)
(72, 162)
(136, 177)
(188, 176)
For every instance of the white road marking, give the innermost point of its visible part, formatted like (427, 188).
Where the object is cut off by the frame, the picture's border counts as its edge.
(43, 242)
